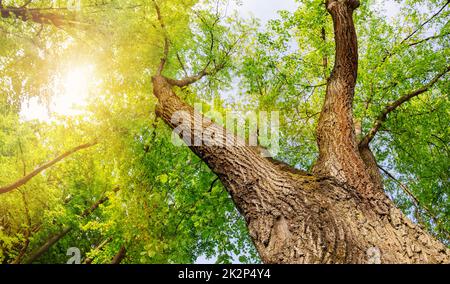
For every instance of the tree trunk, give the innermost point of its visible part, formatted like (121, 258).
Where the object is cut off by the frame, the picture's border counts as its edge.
(337, 215)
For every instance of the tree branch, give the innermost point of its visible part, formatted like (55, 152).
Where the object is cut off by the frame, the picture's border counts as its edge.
(55, 238)
(391, 53)
(89, 260)
(28, 230)
(37, 16)
(415, 200)
(26, 3)
(190, 79)
(428, 38)
(205, 71)
(166, 39)
(393, 106)
(425, 23)
(45, 166)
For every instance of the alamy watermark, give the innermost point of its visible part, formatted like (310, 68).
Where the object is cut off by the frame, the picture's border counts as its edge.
(227, 129)
(75, 255)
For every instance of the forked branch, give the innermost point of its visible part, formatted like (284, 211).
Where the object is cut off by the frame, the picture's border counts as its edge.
(206, 71)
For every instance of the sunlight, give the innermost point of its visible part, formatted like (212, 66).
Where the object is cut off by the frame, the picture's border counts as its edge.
(75, 91)
(70, 94)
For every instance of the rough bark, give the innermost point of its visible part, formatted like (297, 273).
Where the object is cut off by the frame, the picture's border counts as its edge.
(338, 214)
(294, 217)
(338, 150)
(372, 169)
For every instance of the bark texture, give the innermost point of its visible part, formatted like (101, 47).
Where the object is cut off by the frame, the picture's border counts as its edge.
(338, 150)
(338, 214)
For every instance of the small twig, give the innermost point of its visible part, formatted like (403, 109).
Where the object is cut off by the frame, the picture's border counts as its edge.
(213, 183)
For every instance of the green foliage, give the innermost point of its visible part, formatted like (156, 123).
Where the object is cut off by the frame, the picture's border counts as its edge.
(169, 207)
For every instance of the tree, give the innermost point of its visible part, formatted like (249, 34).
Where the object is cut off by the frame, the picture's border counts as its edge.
(340, 214)
(350, 120)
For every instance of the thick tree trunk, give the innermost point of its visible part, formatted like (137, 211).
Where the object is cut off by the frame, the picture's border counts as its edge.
(338, 149)
(299, 218)
(339, 214)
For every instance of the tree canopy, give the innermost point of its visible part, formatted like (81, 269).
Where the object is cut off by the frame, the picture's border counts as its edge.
(106, 178)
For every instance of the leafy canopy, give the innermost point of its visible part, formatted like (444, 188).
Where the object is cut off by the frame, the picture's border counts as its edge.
(169, 207)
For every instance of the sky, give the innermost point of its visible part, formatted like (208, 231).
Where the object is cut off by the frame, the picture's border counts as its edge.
(265, 10)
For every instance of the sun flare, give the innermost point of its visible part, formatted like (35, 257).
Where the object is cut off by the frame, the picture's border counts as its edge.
(69, 95)
(75, 91)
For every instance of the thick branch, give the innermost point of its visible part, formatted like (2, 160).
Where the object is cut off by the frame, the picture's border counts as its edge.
(346, 57)
(338, 149)
(47, 245)
(393, 106)
(45, 166)
(208, 140)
